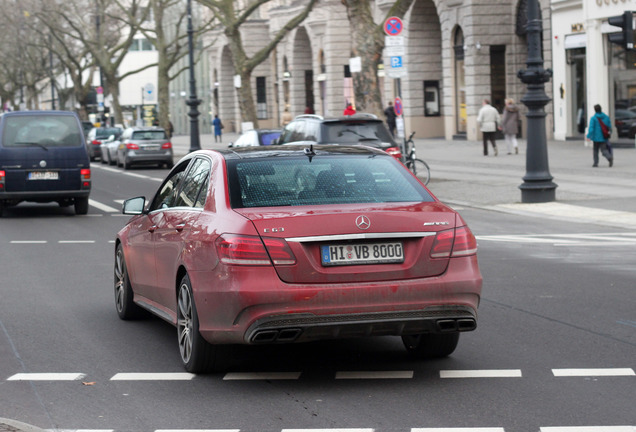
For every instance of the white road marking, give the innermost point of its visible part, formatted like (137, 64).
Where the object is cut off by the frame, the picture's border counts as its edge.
(28, 241)
(168, 376)
(198, 430)
(128, 173)
(76, 241)
(102, 207)
(46, 377)
(588, 429)
(235, 376)
(590, 239)
(593, 372)
(461, 429)
(481, 373)
(374, 375)
(331, 430)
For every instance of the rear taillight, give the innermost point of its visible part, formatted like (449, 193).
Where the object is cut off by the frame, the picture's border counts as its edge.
(3, 174)
(166, 146)
(85, 173)
(454, 243)
(132, 146)
(395, 152)
(96, 142)
(251, 250)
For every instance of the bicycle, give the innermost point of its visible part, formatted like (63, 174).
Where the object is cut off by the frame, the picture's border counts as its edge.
(417, 166)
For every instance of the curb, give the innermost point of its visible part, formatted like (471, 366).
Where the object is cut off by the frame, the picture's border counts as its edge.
(7, 425)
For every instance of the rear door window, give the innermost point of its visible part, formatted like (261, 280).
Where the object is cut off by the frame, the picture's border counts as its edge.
(41, 131)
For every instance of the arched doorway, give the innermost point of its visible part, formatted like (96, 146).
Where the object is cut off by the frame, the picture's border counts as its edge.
(302, 84)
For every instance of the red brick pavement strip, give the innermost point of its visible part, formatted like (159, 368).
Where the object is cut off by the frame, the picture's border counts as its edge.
(7, 425)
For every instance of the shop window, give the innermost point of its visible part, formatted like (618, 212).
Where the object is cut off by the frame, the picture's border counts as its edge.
(261, 98)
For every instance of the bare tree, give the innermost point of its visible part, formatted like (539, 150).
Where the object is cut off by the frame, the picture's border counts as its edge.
(368, 44)
(231, 19)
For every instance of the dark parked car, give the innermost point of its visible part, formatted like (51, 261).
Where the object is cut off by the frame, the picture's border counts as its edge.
(623, 120)
(97, 136)
(257, 137)
(43, 158)
(365, 129)
(144, 145)
(285, 244)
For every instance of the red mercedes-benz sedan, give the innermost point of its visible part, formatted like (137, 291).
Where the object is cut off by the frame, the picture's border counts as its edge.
(282, 244)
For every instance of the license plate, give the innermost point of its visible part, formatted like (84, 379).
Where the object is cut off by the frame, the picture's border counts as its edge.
(44, 175)
(151, 147)
(365, 253)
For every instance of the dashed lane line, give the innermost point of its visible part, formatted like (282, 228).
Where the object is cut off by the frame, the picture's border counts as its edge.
(236, 376)
(588, 429)
(46, 377)
(102, 207)
(175, 376)
(481, 373)
(593, 372)
(374, 375)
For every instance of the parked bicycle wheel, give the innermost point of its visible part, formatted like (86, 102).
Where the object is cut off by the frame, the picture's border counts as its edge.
(420, 169)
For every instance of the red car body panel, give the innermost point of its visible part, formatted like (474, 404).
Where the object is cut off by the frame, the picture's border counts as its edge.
(235, 301)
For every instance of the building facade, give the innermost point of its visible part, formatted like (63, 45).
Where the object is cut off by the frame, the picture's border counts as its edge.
(588, 70)
(456, 53)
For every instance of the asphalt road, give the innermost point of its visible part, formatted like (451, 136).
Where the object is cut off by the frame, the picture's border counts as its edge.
(555, 347)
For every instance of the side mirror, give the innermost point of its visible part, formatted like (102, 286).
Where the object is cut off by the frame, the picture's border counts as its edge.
(134, 206)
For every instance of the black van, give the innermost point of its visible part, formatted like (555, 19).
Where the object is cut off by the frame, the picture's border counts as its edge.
(43, 158)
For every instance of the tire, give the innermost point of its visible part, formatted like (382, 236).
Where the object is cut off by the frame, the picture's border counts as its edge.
(421, 170)
(197, 355)
(431, 345)
(126, 165)
(126, 308)
(105, 158)
(81, 206)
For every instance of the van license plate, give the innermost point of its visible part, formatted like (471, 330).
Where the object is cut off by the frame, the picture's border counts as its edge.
(44, 175)
(366, 253)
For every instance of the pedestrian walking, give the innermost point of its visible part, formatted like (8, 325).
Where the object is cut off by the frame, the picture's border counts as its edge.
(599, 131)
(488, 120)
(287, 117)
(218, 129)
(389, 113)
(170, 129)
(510, 125)
(349, 110)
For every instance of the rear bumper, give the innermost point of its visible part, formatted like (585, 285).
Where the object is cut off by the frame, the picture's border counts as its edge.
(262, 309)
(136, 157)
(44, 196)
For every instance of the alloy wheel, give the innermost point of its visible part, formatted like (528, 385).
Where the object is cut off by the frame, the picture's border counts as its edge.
(184, 323)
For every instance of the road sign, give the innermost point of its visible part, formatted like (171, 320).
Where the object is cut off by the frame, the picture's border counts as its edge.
(397, 50)
(397, 106)
(99, 90)
(390, 41)
(396, 62)
(393, 26)
(396, 72)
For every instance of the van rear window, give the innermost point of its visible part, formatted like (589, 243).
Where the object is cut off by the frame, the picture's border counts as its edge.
(41, 131)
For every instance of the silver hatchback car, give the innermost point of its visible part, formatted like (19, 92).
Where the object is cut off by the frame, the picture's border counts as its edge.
(144, 145)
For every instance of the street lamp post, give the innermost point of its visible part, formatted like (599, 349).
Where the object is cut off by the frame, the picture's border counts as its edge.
(193, 102)
(537, 184)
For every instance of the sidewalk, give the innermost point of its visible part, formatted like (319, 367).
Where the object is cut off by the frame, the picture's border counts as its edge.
(462, 176)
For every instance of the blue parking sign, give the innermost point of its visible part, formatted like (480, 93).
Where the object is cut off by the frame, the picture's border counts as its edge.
(396, 61)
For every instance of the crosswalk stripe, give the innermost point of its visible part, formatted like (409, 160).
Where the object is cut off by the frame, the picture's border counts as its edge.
(588, 429)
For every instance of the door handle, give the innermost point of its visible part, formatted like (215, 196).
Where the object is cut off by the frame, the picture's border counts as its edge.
(152, 228)
(180, 226)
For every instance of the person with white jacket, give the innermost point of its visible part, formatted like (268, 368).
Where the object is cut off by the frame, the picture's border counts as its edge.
(488, 120)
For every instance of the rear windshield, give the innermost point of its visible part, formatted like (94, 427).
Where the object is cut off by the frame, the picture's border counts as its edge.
(149, 135)
(355, 132)
(106, 132)
(41, 131)
(325, 179)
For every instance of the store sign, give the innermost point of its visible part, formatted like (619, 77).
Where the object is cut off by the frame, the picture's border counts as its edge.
(578, 28)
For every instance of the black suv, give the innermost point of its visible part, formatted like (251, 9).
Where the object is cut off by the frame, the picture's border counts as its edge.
(364, 129)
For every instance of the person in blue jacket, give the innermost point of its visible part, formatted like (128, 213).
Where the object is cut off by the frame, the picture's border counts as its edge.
(595, 134)
(218, 126)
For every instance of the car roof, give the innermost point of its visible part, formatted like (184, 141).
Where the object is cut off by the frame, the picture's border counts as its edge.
(146, 128)
(367, 117)
(297, 150)
(39, 112)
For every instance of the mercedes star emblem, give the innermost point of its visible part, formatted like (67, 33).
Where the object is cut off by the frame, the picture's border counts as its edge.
(363, 222)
